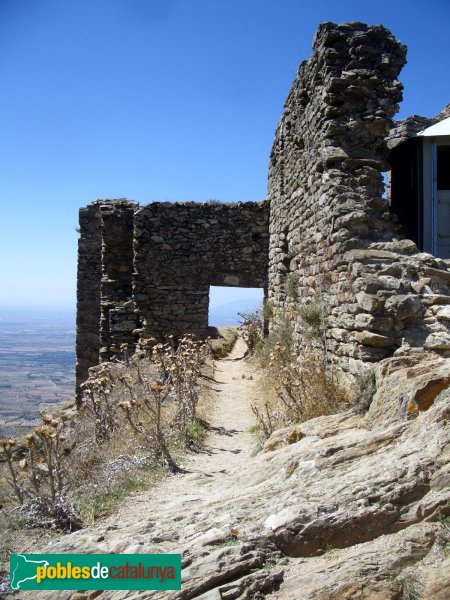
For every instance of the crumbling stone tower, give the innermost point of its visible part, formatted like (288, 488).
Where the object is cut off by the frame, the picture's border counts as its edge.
(146, 271)
(330, 225)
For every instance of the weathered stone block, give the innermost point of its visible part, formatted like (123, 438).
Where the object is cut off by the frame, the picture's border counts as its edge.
(403, 307)
(438, 341)
(368, 338)
(369, 302)
(442, 312)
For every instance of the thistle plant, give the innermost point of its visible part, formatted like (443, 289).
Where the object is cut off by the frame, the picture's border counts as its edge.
(163, 410)
(97, 405)
(153, 398)
(179, 365)
(8, 447)
(125, 353)
(39, 479)
(145, 418)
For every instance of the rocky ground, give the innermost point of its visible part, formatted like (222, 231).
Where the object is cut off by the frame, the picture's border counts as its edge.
(349, 506)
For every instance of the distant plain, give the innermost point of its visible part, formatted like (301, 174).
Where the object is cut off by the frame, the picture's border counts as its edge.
(37, 363)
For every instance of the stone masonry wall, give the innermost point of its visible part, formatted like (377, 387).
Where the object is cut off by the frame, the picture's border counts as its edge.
(88, 292)
(182, 249)
(330, 225)
(117, 221)
(146, 271)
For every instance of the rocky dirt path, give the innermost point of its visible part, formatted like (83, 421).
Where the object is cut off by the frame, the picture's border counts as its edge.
(164, 517)
(228, 445)
(229, 441)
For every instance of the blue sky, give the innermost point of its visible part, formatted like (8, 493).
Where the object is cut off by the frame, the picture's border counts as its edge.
(159, 100)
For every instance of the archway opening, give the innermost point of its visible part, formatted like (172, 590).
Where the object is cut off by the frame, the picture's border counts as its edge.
(225, 304)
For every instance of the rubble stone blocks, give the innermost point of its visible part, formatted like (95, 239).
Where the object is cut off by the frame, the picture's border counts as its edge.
(146, 271)
(88, 292)
(329, 223)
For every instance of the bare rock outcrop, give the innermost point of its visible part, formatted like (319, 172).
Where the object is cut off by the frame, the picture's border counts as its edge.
(408, 385)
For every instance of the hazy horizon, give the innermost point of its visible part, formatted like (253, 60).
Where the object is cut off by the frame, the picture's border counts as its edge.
(219, 296)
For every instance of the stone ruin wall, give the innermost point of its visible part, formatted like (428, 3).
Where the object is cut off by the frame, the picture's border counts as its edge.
(182, 249)
(329, 223)
(146, 271)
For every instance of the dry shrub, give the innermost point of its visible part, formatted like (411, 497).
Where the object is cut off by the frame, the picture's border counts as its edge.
(305, 385)
(38, 475)
(251, 329)
(312, 318)
(297, 385)
(282, 333)
(134, 414)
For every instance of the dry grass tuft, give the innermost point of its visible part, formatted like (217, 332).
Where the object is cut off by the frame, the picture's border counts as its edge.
(297, 385)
